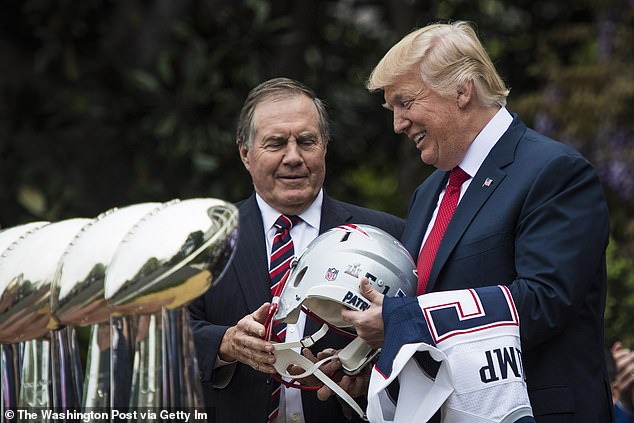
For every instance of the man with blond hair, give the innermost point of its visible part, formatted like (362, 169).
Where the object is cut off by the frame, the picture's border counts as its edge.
(506, 205)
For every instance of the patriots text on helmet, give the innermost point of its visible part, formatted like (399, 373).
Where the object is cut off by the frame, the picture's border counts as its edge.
(355, 301)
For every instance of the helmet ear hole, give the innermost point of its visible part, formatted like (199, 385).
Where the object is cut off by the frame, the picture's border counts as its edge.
(299, 277)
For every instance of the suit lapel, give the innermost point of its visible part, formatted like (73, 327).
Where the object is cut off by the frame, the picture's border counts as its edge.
(250, 262)
(332, 214)
(420, 213)
(476, 195)
(484, 183)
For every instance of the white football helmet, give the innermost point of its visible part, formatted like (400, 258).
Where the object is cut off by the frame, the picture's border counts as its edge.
(325, 279)
(327, 275)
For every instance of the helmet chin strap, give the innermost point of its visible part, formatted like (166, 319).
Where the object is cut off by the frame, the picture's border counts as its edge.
(353, 357)
(356, 355)
(285, 357)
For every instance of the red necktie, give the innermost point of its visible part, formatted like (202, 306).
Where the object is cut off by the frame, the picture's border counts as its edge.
(282, 253)
(447, 206)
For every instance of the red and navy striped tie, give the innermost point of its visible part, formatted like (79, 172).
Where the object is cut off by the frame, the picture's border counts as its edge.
(282, 253)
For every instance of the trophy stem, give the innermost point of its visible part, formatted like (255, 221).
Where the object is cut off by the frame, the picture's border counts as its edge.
(165, 369)
(35, 387)
(147, 382)
(97, 380)
(11, 363)
(122, 351)
(67, 372)
(185, 390)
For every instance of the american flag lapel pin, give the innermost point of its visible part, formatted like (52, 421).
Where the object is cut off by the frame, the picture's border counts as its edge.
(487, 182)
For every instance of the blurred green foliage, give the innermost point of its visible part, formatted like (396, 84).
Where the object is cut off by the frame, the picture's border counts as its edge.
(106, 103)
(620, 298)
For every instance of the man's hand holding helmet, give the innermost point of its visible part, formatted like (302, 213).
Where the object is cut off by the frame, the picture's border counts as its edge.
(368, 323)
(369, 327)
(331, 368)
(243, 342)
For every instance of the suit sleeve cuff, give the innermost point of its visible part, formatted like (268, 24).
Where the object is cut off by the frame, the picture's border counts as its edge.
(223, 373)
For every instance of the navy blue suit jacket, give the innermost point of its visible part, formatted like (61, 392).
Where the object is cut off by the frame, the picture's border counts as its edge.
(243, 289)
(541, 227)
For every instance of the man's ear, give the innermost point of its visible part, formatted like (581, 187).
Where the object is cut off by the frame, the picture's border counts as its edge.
(465, 93)
(243, 149)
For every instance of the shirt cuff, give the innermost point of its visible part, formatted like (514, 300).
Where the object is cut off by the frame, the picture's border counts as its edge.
(223, 373)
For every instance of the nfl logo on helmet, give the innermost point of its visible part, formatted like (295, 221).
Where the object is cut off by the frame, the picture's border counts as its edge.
(331, 274)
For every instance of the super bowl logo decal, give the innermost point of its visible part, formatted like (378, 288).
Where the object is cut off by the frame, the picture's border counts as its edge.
(331, 274)
(353, 270)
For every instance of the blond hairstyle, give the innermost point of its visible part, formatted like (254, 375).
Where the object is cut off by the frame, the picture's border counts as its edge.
(447, 56)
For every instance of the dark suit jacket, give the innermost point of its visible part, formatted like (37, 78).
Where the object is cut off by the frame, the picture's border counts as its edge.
(540, 227)
(243, 289)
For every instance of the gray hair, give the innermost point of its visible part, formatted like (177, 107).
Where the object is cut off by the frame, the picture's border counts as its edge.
(277, 88)
(446, 56)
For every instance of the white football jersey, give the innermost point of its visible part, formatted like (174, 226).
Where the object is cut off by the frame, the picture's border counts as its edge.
(455, 351)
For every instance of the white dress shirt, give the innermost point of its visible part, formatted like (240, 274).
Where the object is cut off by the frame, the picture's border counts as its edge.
(303, 233)
(475, 155)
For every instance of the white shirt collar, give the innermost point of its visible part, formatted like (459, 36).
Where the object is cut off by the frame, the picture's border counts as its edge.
(312, 215)
(484, 142)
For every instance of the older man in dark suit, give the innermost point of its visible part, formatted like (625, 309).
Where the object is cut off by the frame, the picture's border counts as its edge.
(282, 138)
(506, 205)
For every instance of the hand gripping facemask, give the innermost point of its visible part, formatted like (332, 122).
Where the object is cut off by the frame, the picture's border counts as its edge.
(324, 280)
